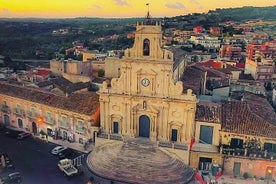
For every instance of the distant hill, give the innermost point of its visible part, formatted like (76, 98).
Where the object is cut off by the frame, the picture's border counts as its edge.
(247, 13)
(213, 17)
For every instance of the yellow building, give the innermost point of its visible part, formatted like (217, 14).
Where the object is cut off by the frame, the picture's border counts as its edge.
(145, 101)
(238, 136)
(73, 70)
(74, 118)
(205, 149)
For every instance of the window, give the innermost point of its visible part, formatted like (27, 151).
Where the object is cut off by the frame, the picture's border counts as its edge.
(206, 134)
(49, 117)
(32, 112)
(63, 122)
(146, 47)
(80, 126)
(236, 143)
(270, 147)
(144, 104)
(18, 109)
(20, 123)
(115, 127)
(174, 135)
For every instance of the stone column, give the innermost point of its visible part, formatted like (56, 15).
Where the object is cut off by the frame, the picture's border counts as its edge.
(102, 115)
(188, 125)
(131, 123)
(106, 117)
(160, 124)
(165, 123)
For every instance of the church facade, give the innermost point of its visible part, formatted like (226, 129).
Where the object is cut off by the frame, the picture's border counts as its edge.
(145, 101)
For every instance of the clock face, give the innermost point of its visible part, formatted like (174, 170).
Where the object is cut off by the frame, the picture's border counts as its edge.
(145, 82)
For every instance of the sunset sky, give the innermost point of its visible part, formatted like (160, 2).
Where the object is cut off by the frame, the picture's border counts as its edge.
(116, 8)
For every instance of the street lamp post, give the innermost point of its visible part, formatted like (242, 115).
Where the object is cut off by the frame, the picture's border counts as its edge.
(268, 174)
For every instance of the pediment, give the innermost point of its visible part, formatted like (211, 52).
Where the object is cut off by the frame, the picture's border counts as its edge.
(146, 72)
(150, 108)
(145, 30)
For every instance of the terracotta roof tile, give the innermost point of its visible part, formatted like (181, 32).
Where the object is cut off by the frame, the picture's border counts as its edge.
(84, 103)
(253, 116)
(208, 112)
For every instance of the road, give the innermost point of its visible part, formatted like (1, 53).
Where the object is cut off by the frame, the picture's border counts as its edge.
(32, 158)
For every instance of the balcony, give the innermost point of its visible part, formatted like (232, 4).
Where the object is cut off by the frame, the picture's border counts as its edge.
(31, 115)
(5, 108)
(49, 120)
(251, 153)
(80, 129)
(19, 112)
(64, 125)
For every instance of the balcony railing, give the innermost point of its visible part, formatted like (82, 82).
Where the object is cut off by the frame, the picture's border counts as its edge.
(31, 115)
(251, 153)
(64, 125)
(19, 112)
(80, 129)
(5, 109)
(49, 120)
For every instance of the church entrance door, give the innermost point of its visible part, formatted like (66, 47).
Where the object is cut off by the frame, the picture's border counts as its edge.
(144, 126)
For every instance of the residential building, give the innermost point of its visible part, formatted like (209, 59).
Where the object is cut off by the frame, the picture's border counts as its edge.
(74, 118)
(230, 52)
(238, 135)
(209, 42)
(215, 31)
(260, 60)
(198, 29)
(75, 71)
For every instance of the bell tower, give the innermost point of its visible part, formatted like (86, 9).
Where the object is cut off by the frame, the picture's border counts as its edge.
(145, 101)
(148, 40)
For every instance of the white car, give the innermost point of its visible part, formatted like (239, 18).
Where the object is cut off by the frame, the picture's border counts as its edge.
(58, 149)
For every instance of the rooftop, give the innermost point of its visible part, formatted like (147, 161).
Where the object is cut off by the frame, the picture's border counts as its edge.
(252, 115)
(83, 103)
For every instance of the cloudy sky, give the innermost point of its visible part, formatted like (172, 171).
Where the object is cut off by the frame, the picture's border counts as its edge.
(116, 8)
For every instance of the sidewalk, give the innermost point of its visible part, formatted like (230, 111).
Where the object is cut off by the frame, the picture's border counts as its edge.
(73, 145)
(228, 179)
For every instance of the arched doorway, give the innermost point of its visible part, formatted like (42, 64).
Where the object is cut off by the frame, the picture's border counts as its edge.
(6, 120)
(65, 135)
(34, 127)
(20, 123)
(144, 126)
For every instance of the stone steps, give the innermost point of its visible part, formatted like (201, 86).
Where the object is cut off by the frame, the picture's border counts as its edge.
(134, 163)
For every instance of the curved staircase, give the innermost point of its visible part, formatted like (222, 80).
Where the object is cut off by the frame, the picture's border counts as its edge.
(137, 161)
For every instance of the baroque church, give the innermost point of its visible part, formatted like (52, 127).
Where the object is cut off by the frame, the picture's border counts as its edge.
(145, 101)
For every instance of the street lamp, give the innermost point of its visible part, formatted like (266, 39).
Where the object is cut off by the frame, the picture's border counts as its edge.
(40, 121)
(269, 172)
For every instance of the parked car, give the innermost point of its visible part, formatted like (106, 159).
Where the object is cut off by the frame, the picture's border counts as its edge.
(23, 135)
(67, 153)
(12, 178)
(12, 133)
(58, 149)
(67, 167)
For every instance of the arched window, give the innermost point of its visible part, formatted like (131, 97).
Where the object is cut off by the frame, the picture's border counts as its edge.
(146, 47)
